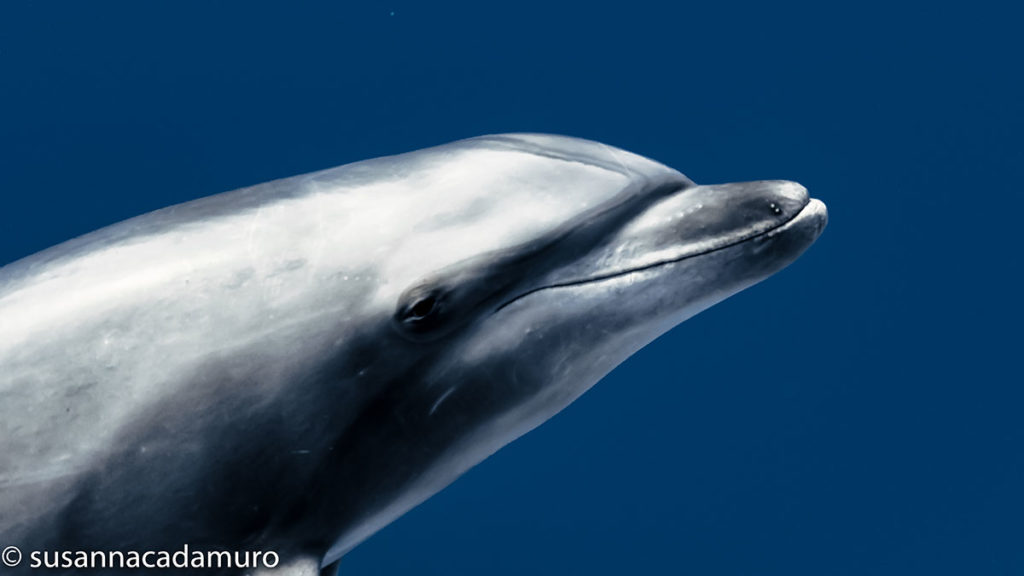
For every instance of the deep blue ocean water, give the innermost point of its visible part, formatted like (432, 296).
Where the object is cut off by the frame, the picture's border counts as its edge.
(860, 413)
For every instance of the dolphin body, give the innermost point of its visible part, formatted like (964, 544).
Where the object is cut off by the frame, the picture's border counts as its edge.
(294, 365)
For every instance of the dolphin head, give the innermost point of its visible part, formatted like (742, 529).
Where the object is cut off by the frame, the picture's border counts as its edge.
(305, 360)
(566, 257)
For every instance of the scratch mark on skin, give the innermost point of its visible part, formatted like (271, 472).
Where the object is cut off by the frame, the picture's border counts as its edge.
(437, 402)
(625, 169)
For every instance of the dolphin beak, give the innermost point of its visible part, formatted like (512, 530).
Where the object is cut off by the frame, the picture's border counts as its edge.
(703, 219)
(814, 216)
(764, 224)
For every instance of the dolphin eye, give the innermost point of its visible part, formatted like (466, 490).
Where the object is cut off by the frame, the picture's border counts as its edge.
(422, 308)
(422, 312)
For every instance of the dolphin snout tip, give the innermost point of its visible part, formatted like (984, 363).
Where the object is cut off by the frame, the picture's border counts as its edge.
(817, 213)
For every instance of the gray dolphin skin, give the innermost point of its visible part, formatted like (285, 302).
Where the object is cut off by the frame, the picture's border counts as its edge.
(290, 367)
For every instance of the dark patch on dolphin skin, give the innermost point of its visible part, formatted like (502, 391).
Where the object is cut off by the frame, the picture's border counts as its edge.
(394, 440)
(224, 494)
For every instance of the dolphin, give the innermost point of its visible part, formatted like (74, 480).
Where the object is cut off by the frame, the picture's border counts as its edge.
(291, 366)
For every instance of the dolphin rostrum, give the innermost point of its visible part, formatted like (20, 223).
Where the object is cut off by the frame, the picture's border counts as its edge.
(291, 366)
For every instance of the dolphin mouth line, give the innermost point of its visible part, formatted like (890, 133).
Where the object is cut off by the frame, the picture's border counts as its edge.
(764, 234)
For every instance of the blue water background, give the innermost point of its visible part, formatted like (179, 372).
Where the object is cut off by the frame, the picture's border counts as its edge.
(860, 413)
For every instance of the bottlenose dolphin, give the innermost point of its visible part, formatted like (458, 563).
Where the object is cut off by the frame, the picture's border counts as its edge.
(294, 365)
